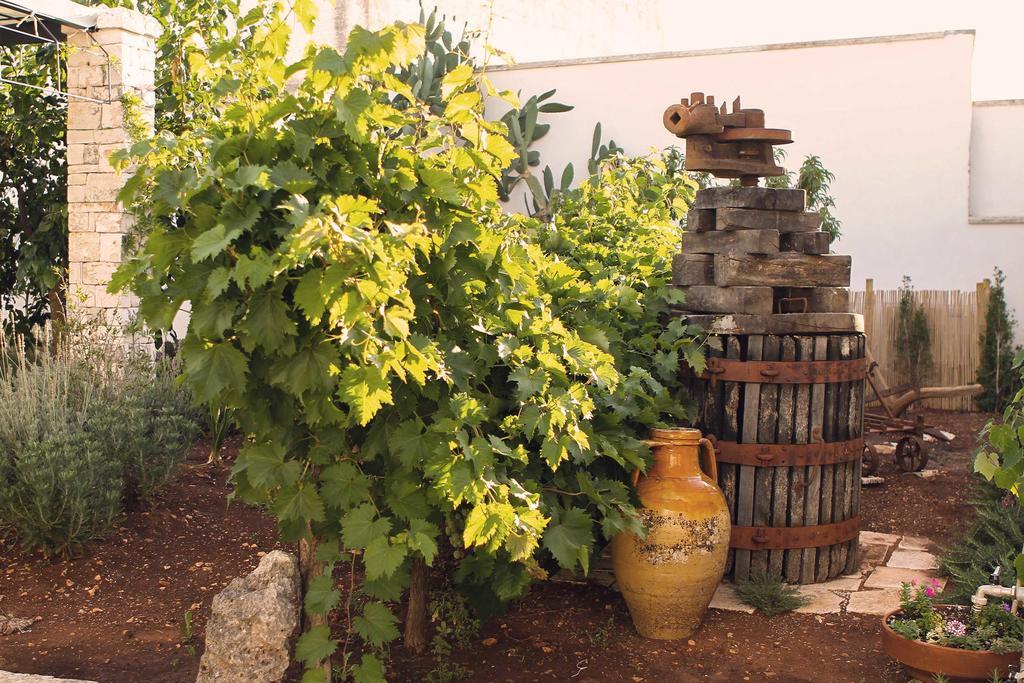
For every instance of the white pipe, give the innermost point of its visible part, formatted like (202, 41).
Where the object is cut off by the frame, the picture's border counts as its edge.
(981, 596)
(1014, 593)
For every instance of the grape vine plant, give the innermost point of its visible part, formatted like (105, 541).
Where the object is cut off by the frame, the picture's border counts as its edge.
(386, 336)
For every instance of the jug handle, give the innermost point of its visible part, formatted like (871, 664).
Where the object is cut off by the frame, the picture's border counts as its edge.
(711, 466)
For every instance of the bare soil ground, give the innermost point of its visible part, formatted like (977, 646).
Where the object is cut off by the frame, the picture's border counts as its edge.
(116, 613)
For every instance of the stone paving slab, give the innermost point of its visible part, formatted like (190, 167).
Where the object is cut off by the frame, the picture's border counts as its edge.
(886, 562)
(725, 598)
(877, 602)
(875, 538)
(872, 556)
(915, 543)
(894, 577)
(843, 583)
(820, 600)
(913, 559)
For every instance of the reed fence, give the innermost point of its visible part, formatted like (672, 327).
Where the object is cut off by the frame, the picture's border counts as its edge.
(956, 320)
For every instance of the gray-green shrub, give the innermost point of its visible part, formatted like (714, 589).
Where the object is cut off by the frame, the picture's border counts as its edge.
(60, 492)
(85, 429)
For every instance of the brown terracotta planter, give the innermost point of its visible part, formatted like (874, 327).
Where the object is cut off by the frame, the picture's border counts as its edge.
(924, 660)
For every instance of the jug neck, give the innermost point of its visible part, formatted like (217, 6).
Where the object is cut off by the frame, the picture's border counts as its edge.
(676, 453)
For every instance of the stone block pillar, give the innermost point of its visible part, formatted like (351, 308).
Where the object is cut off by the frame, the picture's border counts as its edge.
(115, 59)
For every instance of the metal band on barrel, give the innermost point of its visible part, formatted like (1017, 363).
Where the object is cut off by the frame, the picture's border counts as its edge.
(785, 372)
(789, 454)
(792, 538)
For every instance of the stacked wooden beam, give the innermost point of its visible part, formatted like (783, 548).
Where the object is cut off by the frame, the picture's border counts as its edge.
(783, 391)
(758, 251)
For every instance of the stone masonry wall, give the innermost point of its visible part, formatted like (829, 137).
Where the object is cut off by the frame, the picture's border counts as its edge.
(118, 57)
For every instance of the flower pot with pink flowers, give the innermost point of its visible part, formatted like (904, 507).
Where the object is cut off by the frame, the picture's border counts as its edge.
(956, 643)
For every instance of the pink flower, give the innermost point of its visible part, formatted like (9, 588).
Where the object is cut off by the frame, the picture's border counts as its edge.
(935, 583)
(930, 592)
(913, 582)
(956, 628)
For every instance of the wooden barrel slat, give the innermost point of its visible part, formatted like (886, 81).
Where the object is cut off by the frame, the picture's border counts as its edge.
(804, 347)
(751, 401)
(727, 472)
(767, 419)
(773, 413)
(782, 481)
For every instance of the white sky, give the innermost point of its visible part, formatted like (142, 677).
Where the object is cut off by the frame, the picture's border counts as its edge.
(998, 50)
(657, 25)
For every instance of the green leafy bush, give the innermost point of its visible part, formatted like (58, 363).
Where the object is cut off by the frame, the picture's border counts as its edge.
(615, 236)
(816, 180)
(60, 492)
(995, 370)
(769, 594)
(1000, 458)
(385, 333)
(913, 340)
(33, 186)
(994, 539)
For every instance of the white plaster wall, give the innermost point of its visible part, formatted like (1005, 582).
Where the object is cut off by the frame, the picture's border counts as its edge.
(997, 162)
(891, 118)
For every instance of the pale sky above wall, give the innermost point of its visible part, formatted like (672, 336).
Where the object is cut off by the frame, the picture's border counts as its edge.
(677, 25)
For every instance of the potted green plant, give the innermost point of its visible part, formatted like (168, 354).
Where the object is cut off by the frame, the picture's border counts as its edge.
(953, 642)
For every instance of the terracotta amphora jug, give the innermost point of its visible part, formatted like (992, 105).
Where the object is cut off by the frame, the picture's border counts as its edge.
(669, 577)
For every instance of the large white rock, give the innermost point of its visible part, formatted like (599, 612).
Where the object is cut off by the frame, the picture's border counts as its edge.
(252, 621)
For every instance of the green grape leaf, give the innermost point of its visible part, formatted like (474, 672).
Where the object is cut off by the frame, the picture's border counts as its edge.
(422, 535)
(342, 486)
(366, 389)
(299, 504)
(369, 670)
(214, 367)
(382, 558)
(362, 525)
(315, 645)
(377, 625)
(321, 595)
(570, 539)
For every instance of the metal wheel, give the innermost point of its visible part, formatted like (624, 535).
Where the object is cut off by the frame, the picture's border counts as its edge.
(911, 454)
(870, 461)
